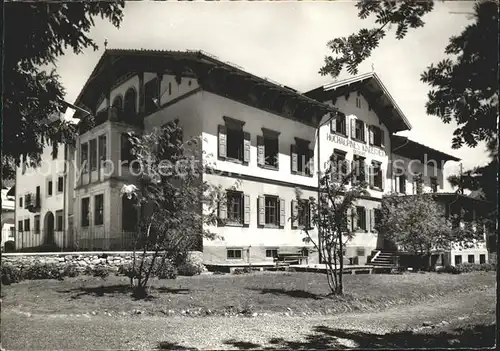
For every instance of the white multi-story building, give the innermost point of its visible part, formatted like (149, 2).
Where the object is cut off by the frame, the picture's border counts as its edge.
(270, 138)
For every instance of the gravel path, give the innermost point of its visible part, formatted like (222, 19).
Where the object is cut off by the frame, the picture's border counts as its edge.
(145, 332)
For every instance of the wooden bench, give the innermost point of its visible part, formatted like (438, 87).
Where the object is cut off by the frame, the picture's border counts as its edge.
(291, 258)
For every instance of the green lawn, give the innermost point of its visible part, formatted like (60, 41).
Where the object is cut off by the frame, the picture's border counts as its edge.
(297, 293)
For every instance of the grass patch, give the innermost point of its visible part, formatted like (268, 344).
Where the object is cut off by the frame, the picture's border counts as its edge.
(267, 292)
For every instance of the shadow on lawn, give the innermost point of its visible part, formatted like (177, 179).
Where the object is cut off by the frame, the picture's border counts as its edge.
(292, 293)
(117, 289)
(328, 338)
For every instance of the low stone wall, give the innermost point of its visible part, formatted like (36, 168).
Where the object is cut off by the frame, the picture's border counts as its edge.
(113, 260)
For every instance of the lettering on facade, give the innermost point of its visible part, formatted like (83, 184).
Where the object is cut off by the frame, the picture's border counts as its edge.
(358, 148)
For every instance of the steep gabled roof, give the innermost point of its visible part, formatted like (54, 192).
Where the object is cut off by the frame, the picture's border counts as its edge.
(374, 91)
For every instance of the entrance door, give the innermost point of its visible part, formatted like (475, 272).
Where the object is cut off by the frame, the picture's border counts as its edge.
(49, 228)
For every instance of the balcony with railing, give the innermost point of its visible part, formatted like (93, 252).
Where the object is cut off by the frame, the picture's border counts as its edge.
(112, 114)
(33, 202)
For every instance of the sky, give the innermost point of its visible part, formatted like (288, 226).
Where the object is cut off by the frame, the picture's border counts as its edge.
(286, 42)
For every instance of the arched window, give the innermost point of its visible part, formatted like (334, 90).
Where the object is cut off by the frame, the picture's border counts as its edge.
(130, 103)
(118, 105)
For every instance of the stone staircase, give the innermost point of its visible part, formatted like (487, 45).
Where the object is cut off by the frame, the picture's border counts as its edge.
(382, 260)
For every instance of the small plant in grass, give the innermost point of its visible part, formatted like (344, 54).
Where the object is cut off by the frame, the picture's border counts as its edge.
(100, 271)
(39, 270)
(71, 270)
(11, 274)
(191, 267)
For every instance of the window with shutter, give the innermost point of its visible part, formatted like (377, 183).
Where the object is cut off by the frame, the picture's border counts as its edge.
(302, 158)
(358, 166)
(377, 175)
(338, 125)
(235, 211)
(304, 214)
(84, 157)
(339, 165)
(359, 130)
(376, 136)
(234, 143)
(269, 152)
(361, 218)
(272, 211)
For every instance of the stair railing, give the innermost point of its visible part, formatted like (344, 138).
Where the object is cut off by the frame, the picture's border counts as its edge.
(375, 256)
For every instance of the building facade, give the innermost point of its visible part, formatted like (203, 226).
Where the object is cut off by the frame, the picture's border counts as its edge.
(8, 216)
(266, 138)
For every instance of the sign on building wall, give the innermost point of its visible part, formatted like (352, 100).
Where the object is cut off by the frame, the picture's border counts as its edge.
(359, 148)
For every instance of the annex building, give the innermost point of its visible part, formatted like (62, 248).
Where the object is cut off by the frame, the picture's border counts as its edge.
(268, 137)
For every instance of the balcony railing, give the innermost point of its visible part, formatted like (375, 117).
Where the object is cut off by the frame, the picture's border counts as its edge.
(33, 202)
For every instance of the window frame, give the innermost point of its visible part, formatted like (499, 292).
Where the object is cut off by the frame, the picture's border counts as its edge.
(240, 197)
(99, 212)
(434, 184)
(361, 220)
(151, 87)
(60, 184)
(27, 227)
(20, 225)
(102, 149)
(377, 131)
(93, 157)
(271, 251)
(84, 157)
(304, 216)
(36, 224)
(340, 125)
(50, 186)
(357, 122)
(273, 141)
(85, 217)
(234, 250)
(276, 200)
(59, 214)
(360, 163)
(338, 173)
(378, 174)
(239, 146)
(303, 168)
